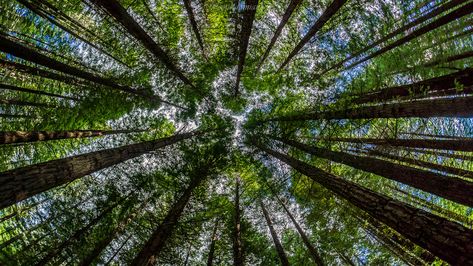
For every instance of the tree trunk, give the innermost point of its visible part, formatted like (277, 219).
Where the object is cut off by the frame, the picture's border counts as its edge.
(331, 10)
(237, 243)
(463, 78)
(154, 245)
(10, 137)
(451, 188)
(116, 10)
(3, 115)
(210, 258)
(247, 24)
(277, 243)
(445, 239)
(285, 18)
(26, 103)
(21, 183)
(195, 28)
(312, 250)
(37, 92)
(449, 107)
(449, 59)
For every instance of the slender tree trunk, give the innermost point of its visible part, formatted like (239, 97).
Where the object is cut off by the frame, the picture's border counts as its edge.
(154, 245)
(210, 257)
(449, 107)
(37, 92)
(10, 137)
(451, 188)
(443, 154)
(277, 243)
(447, 240)
(237, 243)
(116, 10)
(21, 183)
(195, 28)
(463, 78)
(312, 250)
(285, 18)
(331, 10)
(3, 115)
(449, 59)
(26, 103)
(246, 27)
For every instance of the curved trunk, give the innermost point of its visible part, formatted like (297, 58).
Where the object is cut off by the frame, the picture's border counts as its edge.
(277, 243)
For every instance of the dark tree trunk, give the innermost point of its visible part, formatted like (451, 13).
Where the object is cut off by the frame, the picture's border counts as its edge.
(10, 137)
(43, 93)
(441, 84)
(451, 188)
(331, 10)
(154, 245)
(237, 243)
(451, 107)
(210, 258)
(312, 250)
(195, 28)
(21, 183)
(285, 18)
(26, 103)
(247, 24)
(449, 59)
(447, 240)
(277, 243)
(3, 115)
(116, 10)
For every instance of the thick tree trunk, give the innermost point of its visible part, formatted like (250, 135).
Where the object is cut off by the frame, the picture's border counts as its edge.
(247, 24)
(331, 10)
(154, 245)
(277, 243)
(454, 15)
(37, 92)
(285, 18)
(445, 84)
(237, 243)
(21, 183)
(213, 240)
(116, 10)
(10, 137)
(447, 240)
(449, 107)
(195, 28)
(312, 250)
(451, 188)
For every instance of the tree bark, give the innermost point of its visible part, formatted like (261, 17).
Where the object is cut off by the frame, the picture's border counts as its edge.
(451, 188)
(237, 243)
(10, 137)
(37, 92)
(195, 28)
(285, 18)
(445, 239)
(154, 245)
(247, 24)
(331, 10)
(277, 243)
(21, 183)
(210, 257)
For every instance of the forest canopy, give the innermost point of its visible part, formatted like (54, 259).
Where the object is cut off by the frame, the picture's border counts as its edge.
(244, 132)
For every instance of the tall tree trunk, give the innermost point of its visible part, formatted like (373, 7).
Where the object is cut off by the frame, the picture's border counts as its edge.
(10, 137)
(37, 92)
(443, 154)
(116, 10)
(451, 188)
(454, 15)
(26, 103)
(21, 183)
(213, 240)
(312, 250)
(331, 10)
(443, 84)
(445, 239)
(449, 59)
(195, 28)
(450, 107)
(285, 18)
(154, 245)
(247, 24)
(237, 243)
(3, 115)
(277, 243)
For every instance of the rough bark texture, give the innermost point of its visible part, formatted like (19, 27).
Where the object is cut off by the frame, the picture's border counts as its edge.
(37, 92)
(21, 183)
(246, 26)
(154, 245)
(285, 18)
(277, 243)
(237, 243)
(331, 10)
(448, 187)
(447, 240)
(9, 137)
(210, 257)
(116, 10)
